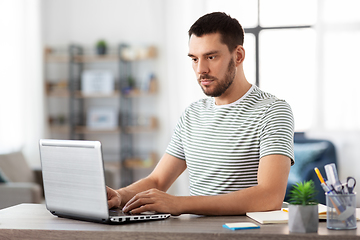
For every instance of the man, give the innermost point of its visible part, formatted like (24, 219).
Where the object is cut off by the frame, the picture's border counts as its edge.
(237, 144)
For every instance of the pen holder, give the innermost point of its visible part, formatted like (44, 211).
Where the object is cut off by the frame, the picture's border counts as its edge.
(341, 211)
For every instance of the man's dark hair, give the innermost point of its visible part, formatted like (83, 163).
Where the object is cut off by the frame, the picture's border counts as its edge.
(232, 33)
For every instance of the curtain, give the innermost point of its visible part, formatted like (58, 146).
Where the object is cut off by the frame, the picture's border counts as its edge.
(21, 84)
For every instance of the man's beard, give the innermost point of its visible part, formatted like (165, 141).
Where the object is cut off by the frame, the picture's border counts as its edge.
(221, 85)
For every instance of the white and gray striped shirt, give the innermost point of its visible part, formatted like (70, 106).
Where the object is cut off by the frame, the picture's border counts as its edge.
(222, 145)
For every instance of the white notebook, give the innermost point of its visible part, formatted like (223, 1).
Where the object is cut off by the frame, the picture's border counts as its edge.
(279, 216)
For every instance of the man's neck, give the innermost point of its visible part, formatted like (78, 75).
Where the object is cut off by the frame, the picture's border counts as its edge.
(237, 89)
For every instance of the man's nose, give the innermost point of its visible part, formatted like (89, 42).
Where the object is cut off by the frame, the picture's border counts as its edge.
(202, 67)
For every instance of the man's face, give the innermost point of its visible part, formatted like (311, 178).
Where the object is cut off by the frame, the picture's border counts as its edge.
(213, 64)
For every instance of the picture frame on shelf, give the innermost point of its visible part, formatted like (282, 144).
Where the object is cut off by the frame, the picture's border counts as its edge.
(97, 82)
(102, 118)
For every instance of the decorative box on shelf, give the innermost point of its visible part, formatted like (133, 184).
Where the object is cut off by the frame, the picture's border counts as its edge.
(102, 118)
(97, 82)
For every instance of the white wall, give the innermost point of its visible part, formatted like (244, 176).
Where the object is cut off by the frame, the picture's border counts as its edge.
(85, 21)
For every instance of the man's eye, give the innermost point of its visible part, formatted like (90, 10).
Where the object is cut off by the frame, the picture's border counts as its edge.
(194, 59)
(211, 57)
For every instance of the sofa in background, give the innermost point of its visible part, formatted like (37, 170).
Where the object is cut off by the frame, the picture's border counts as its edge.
(19, 183)
(310, 153)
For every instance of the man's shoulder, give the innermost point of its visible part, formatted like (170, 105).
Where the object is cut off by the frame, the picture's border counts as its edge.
(261, 95)
(262, 99)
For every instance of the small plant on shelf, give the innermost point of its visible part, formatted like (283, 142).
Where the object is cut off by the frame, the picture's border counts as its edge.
(101, 47)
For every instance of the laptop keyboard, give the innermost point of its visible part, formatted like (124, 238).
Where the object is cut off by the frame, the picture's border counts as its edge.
(118, 212)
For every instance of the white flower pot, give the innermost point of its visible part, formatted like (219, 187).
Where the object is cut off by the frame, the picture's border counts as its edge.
(303, 219)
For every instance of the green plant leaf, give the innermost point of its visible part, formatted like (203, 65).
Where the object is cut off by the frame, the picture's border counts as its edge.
(303, 193)
(101, 43)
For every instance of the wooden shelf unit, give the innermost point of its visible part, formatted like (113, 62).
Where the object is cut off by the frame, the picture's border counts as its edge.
(75, 58)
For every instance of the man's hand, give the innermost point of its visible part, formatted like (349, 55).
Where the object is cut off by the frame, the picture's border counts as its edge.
(114, 198)
(153, 200)
(165, 173)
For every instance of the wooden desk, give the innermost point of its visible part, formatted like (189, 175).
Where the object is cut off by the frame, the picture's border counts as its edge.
(33, 221)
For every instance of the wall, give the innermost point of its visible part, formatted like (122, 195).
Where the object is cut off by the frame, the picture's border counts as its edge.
(85, 21)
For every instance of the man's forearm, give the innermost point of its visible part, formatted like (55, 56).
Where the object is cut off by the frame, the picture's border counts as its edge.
(267, 195)
(165, 173)
(235, 203)
(130, 191)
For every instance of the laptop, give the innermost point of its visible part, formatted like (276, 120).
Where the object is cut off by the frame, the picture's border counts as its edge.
(74, 183)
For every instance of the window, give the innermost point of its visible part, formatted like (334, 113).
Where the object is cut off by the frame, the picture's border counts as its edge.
(11, 60)
(305, 52)
(245, 11)
(21, 87)
(340, 31)
(283, 13)
(287, 70)
(280, 49)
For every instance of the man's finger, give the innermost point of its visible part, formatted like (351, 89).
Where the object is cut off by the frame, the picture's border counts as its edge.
(137, 203)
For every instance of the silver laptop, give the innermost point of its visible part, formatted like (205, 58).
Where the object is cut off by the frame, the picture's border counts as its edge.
(74, 183)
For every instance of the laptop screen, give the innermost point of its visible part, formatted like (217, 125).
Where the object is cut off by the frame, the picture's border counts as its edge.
(73, 176)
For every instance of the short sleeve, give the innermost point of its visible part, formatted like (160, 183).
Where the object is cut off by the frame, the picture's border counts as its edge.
(277, 131)
(175, 147)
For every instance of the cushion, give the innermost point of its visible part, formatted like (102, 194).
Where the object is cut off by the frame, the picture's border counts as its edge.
(3, 178)
(305, 153)
(16, 168)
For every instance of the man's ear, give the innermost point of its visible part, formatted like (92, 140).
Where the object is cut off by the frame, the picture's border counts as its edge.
(239, 54)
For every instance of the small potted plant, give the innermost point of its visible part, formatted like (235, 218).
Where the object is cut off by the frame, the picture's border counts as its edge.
(303, 208)
(101, 47)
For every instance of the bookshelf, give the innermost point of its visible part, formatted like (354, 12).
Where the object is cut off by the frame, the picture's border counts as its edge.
(71, 111)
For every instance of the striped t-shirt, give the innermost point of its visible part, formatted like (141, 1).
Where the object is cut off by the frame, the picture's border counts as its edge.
(222, 145)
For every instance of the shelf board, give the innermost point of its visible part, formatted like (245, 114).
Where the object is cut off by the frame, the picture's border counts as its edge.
(96, 58)
(52, 58)
(151, 127)
(79, 94)
(64, 93)
(91, 58)
(138, 93)
(63, 57)
(140, 129)
(137, 162)
(86, 130)
(60, 129)
(130, 130)
(115, 94)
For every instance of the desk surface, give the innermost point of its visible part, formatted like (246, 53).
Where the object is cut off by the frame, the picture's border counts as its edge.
(33, 221)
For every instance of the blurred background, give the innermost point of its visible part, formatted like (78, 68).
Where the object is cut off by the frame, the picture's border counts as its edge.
(306, 52)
